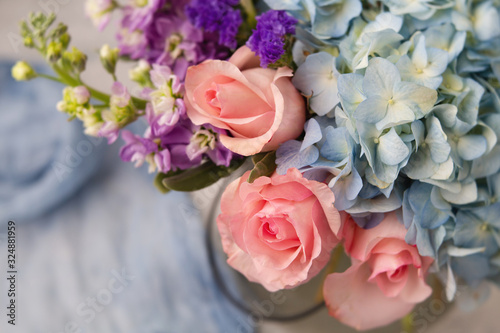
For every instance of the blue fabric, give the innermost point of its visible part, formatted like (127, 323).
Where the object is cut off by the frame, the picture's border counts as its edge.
(43, 158)
(117, 256)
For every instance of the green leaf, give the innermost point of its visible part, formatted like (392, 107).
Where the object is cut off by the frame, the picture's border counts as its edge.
(200, 177)
(264, 165)
(159, 182)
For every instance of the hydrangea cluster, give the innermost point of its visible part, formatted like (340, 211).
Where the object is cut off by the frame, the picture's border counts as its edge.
(267, 41)
(171, 141)
(407, 118)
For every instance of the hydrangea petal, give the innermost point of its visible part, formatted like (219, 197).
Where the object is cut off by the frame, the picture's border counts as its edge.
(391, 149)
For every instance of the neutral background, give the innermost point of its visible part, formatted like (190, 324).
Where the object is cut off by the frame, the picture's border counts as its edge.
(483, 319)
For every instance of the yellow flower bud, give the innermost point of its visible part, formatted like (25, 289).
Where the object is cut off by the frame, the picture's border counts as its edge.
(109, 57)
(22, 71)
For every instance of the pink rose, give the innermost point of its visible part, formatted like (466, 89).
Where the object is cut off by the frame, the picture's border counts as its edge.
(260, 107)
(385, 281)
(278, 231)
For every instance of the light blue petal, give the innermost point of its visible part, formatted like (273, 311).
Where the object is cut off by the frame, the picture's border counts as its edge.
(418, 98)
(336, 147)
(333, 20)
(350, 91)
(471, 147)
(381, 76)
(468, 103)
(487, 165)
(436, 139)
(489, 134)
(317, 77)
(472, 269)
(313, 134)
(289, 155)
(379, 204)
(284, 4)
(397, 114)
(391, 149)
(467, 194)
(437, 63)
(446, 113)
(385, 173)
(419, 56)
(420, 165)
(433, 217)
(372, 110)
(355, 184)
(418, 130)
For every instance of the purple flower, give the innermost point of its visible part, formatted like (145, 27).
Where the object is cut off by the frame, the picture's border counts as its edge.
(176, 145)
(174, 41)
(216, 16)
(267, 41)
(136, 148)
(138, 15)
(163, 160)
(120, 96)
(110, 131)
(206, 141)
(132, 43)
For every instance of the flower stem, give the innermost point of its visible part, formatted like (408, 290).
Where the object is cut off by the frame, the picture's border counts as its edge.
(250, 10)
(330, 268)
(49, 77)
(407, 323)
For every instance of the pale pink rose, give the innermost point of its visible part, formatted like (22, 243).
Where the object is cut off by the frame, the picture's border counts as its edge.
(385, 281)
(278, 231)
(260, 107)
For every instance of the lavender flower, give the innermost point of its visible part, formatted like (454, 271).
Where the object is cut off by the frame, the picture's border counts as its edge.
(216, 16)
(174, 41)
(268, 41)
(178, 147)
(138, 15)
(205, 141)
(132, 43)
(136, 148)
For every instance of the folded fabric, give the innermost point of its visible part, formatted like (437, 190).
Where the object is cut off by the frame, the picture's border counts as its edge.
(43, 159)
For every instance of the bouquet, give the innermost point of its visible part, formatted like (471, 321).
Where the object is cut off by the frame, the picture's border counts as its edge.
(372, 125)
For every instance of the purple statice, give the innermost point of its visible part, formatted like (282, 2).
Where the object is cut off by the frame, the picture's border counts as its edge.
(216, 16)
(268, 40)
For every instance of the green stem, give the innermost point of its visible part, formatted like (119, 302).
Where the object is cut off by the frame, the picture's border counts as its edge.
(407, 323)
(99, 95)
(250, 10)
(49, 77)
(330, 268)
